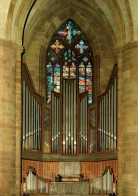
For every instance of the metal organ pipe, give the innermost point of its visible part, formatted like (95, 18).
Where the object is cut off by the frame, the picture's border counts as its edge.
(115, 115)
(31, 113)
(23, 137)
(55, 123)
(64, 115)
(29, 119)
(107, 117)
(26, 105)
(75, 131)
(72, 118)
(83, 123)
(66, 132)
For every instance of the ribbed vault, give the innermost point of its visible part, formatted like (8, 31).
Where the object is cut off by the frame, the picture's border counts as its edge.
(107, 24)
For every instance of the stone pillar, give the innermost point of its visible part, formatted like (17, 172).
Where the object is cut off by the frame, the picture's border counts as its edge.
(7, 118)
(119, 125)
(130, 120)
(18, 120)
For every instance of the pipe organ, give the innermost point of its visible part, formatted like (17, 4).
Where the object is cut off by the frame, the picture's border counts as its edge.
(55, 122)
(92, 127)
(69, 125)
(34, 184)
(69, 116)
(107, 116)
(74, 119)
(83, 122)
(105, 184)
(31, 114)
(46, 112)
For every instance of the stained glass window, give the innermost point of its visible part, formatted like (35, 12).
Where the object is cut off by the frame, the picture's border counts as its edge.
(69, 55)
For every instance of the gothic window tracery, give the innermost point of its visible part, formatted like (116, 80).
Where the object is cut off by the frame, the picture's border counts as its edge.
(69, 56)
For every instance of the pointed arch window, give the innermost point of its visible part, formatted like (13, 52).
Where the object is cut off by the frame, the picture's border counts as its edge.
(69, 56)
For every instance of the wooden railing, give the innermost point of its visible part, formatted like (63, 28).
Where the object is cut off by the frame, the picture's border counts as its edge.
(32, 109)
(105, 184)
(32, 184)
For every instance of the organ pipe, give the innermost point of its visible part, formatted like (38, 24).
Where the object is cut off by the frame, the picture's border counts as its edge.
(31, 113)
(107, 116)
(83, 123)
(55, 126)
(23, 142)
(31, 126)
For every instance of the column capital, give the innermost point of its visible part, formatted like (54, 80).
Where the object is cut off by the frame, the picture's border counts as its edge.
(10, 44)
(130, 45)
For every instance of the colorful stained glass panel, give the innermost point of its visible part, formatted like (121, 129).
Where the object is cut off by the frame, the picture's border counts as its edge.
(81, 70)
(53, 58)
(85, 59)
(89, 88)
(88, 81)
(65, 70)
(57, 70)
(81, 80)
(89, 64)
(49, 81)
(89, 98)
(88, 71)
(56, 80)
(73, 70)
(81, 46)
(48, 98)
(49, 89)
(69, 31)
(57, 46)
(81, 89)
(56, 88)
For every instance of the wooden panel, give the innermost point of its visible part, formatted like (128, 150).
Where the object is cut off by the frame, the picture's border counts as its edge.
(95, 169)
(93, 157)
(46, 170)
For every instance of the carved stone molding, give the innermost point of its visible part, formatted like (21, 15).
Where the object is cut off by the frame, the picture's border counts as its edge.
(131, 45)
(10, 44)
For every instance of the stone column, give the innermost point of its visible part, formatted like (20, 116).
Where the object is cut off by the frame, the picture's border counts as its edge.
(119, 120)
(7, 118)
(130, 120)
(18, 120)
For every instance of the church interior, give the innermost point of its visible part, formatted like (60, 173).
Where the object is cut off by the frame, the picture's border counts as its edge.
(69, 97)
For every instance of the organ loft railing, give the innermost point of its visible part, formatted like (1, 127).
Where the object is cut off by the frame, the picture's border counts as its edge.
(69, 126)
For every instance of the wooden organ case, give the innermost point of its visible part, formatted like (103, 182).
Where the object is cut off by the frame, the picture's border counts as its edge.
(69, 125)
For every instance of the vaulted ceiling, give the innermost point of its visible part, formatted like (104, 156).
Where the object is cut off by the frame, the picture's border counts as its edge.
(101, 20)
(108, 25)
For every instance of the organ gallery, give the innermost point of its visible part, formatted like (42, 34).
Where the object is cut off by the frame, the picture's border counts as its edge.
(71, 128)
(68, 97)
